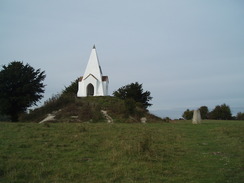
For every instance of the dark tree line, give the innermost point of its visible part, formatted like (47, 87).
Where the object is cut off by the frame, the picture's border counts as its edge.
(220, 112)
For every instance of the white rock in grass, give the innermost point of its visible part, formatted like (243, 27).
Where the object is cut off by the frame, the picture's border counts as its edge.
(50, 117)
(196, 117)
(144, 120)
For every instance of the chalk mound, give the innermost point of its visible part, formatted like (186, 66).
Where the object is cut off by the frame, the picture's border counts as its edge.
(50, 117)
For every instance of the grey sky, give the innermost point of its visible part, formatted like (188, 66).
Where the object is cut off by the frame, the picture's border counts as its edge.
(186, 53)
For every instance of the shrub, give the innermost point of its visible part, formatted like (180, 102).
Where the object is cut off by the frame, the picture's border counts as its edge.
(5, 118)
(97, 115)
(85, 113)
(167, 119)
(204, 112)
(134, 91)
(130, 106)
(240, 116)
(187, 114)
(221, 112)
(145, 144)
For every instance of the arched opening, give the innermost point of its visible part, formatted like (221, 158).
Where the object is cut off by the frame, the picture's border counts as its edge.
(90, 90)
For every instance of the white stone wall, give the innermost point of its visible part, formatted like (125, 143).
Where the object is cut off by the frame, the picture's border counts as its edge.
(105, 88)
(99, 88)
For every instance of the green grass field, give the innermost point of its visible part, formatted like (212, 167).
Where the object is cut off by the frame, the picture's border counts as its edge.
(161, 152)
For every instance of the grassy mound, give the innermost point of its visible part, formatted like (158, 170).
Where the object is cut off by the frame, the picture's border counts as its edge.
(68, 108)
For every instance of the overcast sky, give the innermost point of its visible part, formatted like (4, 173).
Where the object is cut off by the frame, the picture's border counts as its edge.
(186, 53)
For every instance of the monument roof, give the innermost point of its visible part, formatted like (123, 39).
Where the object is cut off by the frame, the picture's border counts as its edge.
(93, 66)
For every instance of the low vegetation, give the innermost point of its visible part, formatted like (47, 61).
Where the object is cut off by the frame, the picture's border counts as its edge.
(69, 108)
(120, 152)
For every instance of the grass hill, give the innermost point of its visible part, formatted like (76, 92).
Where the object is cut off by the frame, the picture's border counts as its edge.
(69, 108)
(120, 152)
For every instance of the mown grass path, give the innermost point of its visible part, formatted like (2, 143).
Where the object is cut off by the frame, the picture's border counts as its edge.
(100, 152)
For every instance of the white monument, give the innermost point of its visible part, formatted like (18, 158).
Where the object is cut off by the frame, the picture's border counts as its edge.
(93, 83)
(196, 117)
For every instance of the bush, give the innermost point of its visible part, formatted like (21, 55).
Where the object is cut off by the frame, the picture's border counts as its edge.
(221, 112)
(5, 118)
(145, 144)
(130, 106)
(167, 119)
(97, 115)
(134, 91)
(240, 116)
(204, 112)
(187, 114)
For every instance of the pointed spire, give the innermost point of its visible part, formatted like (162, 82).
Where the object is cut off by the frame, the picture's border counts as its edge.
(93, 66)
(94, 47)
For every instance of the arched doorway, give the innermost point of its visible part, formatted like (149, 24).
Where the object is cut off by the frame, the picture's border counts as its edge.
(90, 90)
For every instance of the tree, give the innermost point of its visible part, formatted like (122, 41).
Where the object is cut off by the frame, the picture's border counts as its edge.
(72, 89)
(21, 86)
(221, 112)
(187, 114)
(134, 91)
(204, 112)
(240, 116)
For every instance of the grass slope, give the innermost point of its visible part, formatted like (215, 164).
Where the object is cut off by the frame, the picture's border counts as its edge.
(157, 152)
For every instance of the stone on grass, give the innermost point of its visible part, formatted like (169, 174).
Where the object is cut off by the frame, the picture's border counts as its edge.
(196, 117)
(108, 118)
(143, 120)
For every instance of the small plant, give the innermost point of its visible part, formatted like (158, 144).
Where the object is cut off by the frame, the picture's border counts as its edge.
(82, 129)
(46, 125)
(97, 115)
(145, 144)
(167, 119)
(130, 105)
(85, 113)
